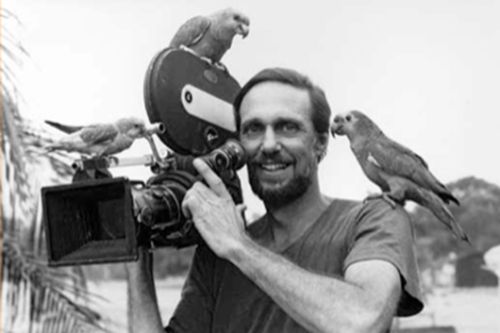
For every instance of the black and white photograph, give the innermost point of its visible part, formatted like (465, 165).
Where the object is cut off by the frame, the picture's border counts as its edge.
(250, 166)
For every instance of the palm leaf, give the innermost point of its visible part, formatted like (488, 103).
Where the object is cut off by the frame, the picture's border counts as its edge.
(35, 297)
(44, 294)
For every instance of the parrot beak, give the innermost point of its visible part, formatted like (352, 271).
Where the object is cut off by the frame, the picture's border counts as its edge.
(244, 30)
(336, 127)
(333, 129)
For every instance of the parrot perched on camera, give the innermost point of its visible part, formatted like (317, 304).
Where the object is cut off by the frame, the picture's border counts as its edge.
(100, 140)
(211, 36)
(399, 172)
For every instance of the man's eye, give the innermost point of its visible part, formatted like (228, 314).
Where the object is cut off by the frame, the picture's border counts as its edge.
(289, 127)
(251, 129)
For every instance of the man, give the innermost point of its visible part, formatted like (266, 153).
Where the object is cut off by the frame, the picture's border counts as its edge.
(312, 263)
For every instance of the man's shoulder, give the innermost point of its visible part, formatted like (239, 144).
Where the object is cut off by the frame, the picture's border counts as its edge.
(355, 213)
(372, 206)
(342, 205)
(344, 209)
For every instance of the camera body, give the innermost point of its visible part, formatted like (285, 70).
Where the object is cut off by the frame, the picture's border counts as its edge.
(101, 219)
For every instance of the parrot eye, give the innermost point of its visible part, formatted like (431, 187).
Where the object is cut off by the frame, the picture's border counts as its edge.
(236, 17)
(348, 118)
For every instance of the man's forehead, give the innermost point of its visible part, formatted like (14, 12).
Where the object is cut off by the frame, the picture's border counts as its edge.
(274, 88)
(275, 97)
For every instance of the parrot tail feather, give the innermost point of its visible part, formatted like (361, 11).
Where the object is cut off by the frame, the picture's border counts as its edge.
(435, 204)
(448, 197)
(64, 128)
(445, 216)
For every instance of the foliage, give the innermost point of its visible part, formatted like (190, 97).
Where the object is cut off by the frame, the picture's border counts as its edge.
(47, 291)
(478, 214)
(39, 297)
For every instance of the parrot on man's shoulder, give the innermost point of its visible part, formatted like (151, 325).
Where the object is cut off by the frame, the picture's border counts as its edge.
(400, 173)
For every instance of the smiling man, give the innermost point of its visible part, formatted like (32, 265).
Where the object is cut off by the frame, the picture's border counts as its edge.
(311, 263)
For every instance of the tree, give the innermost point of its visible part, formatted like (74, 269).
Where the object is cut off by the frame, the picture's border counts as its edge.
(41, 298)
(478, 214)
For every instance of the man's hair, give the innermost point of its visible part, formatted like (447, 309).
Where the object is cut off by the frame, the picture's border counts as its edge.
(321, 112)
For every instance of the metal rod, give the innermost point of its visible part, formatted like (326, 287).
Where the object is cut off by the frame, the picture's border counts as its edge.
(156, 128)
(156, 155)
(112, 162)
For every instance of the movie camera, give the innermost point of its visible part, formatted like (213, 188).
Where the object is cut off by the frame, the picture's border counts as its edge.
(101, 219)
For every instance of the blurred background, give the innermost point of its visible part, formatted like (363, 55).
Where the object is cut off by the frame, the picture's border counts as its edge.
(426, 71)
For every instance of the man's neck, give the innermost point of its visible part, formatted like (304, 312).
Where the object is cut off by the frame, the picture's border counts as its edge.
(293, 220)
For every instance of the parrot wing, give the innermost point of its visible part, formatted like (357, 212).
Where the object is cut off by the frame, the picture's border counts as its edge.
(398, 160)
(98, 134)
(191, 32)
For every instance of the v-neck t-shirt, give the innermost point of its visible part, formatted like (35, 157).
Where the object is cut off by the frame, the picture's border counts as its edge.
(217, 297)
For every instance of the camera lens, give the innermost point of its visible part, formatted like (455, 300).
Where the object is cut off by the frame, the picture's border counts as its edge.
(230, 156)
(221, 161)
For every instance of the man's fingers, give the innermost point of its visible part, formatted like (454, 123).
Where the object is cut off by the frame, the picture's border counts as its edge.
(213, 181)
(188, 200)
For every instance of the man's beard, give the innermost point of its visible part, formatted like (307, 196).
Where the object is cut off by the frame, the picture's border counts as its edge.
(282, 195)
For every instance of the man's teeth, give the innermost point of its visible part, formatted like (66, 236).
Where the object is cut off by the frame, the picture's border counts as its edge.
(273, 167)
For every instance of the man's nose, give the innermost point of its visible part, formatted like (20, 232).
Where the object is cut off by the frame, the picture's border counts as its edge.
(270, 142)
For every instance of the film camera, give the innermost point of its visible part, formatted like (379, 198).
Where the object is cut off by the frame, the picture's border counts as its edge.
(100, 219)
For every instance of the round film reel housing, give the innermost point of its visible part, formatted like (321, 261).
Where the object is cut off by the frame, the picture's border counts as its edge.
(192, 99)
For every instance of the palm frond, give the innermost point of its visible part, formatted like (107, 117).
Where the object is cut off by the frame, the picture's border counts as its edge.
(41, 298)
(12, 56)
(41, 294)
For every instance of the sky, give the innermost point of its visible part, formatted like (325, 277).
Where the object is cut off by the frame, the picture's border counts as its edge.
(426, 71)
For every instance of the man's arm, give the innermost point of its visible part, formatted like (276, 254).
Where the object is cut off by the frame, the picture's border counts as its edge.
(142, 307)
(193, 313)
(364, 302)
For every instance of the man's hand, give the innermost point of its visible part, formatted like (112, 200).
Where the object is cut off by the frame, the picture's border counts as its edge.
(218, 220)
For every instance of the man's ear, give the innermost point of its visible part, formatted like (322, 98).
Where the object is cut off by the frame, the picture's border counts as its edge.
(321, 145)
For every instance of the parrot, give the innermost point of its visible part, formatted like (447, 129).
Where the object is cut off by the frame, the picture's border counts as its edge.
(211, 36)
(400, 173)
(100, 140)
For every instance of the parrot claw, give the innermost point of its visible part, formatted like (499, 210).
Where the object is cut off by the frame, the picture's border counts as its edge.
(217, 65)
(208, 60)
(221, 66)
(384, 196)
(187, 49)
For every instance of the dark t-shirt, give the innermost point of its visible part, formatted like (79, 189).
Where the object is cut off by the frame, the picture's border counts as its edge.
(217, 297)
